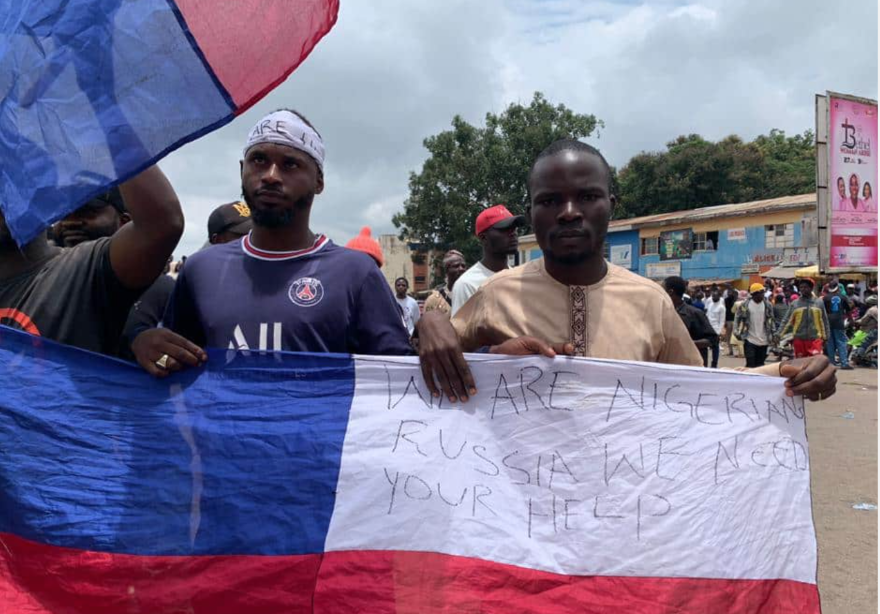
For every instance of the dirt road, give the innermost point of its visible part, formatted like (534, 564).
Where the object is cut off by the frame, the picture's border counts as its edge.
(843, 464)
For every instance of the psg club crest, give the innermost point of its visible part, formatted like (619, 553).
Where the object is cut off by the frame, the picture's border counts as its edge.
(306, 291)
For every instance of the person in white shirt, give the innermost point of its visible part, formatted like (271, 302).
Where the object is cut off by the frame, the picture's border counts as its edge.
(715, 311)
(754, 326)
(496, 229)
(409, 307)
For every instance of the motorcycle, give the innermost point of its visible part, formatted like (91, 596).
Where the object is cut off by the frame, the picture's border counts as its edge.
(869, 357)
(783, 348)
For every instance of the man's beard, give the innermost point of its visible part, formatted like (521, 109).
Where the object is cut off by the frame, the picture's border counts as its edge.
(575, 258)
(272, 218)
(83, 235)
(278, 218)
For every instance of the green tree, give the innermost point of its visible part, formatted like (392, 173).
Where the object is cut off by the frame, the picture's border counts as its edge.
(790, 162)
(694, 172)
(470, 168)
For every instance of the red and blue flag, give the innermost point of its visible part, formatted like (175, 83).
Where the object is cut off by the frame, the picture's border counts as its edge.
(94, 91)
(327, 483)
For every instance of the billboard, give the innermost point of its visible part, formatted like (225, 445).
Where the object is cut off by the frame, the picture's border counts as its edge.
(676, 244)
(847, 184)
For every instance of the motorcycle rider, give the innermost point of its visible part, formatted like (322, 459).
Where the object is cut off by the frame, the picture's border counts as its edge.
(867, 323)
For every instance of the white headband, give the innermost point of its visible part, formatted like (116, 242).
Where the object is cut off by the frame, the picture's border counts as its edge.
(286, 128)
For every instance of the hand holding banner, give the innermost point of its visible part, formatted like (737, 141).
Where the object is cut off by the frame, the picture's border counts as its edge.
(329, 483)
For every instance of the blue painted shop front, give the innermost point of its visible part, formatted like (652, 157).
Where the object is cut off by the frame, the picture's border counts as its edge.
(728, 260)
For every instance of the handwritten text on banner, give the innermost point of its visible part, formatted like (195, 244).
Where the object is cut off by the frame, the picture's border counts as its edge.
(582, 467)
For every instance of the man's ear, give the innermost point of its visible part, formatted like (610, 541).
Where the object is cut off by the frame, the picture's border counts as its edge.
(319, 187)
(124, 218)
(241, 168)
(613, 200)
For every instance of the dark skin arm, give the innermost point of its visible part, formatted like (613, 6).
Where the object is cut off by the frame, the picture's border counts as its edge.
(140, 249)
(444, 367)
(813, 377)
(441, 358)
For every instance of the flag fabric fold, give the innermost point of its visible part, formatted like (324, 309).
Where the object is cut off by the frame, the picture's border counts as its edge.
(94, 91)
(334, 483)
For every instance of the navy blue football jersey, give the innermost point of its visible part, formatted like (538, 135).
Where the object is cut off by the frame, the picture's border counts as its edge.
(322, 299)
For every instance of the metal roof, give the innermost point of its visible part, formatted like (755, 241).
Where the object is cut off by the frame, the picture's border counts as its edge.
(772, 205)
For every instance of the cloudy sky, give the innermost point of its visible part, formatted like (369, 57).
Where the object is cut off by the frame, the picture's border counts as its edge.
(392, 73)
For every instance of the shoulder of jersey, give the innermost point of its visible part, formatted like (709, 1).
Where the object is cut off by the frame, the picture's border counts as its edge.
(352, 256)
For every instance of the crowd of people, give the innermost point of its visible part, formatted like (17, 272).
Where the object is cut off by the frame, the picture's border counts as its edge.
(265, 281)
(782, 318)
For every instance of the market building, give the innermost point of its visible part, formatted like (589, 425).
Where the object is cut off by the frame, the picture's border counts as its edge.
(738, 243)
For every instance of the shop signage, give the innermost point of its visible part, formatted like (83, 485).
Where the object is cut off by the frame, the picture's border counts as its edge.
(799, 256)
(662, 270)
(621, 255)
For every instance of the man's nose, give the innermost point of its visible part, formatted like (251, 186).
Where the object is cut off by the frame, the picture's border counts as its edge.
(272, 174)
(569, 212)
(71, 221)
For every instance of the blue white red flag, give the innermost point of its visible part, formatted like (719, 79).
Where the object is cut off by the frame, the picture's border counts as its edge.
(94, 91)
(329, 483)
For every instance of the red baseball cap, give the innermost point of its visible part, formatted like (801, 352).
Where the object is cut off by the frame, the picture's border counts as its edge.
(497, 217)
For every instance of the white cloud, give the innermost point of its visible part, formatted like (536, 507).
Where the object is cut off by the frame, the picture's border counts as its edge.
(379, 212)
(392, 73)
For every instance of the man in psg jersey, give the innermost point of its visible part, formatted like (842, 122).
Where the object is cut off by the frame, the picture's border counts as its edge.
(282, 286)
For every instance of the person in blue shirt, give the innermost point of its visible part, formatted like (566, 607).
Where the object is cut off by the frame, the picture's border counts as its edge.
(282, 287)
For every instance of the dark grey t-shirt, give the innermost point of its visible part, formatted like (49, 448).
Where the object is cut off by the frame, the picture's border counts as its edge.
(837, 306)
(146, 313)
(72, 297)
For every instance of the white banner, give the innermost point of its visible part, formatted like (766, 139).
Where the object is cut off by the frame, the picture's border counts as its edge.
(736, 234)
(581, 467)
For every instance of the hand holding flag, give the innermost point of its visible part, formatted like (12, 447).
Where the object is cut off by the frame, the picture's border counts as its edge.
(94, 91)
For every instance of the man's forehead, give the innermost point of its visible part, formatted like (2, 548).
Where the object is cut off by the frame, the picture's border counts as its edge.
(568, 164)
(277, 149)
(95, 204)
